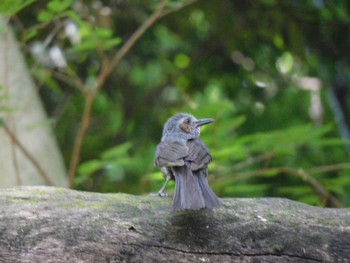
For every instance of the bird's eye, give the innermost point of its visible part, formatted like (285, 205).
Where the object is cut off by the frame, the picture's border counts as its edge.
(185, 125)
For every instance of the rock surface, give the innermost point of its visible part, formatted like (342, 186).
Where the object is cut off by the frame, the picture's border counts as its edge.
(47, 224)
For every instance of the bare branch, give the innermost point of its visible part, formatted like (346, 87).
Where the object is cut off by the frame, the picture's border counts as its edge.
(84, 126)
(85, 123)
(71, 81)
(28, 155)
(252, 160)
(15, 162)
(329, 168)
(318, 188)
(137, 34)
(106, 69)
(301, 173)
(175, 9)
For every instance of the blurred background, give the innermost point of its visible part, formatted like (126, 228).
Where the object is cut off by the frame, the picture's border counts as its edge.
(273, 74)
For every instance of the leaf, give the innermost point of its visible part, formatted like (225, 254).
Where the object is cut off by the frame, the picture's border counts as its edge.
(44, 75)
(11, 7)
(296, 190)
(332, 142)
(103, 33)
(30, 34)
(310, 199)
(45, 16)
(182, 61)
(112, 43)
(230, 151)
(286, 140)
(90, 167)
(114, 172)
(116, 152)
(85, 46)
(92, 43)
(236, 122)
(58, 6)
(155, 176)
(81, 179)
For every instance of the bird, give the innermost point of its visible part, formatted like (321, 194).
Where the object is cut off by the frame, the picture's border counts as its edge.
(182, 156)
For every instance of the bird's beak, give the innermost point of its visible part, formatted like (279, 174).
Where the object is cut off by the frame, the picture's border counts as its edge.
(201, 122)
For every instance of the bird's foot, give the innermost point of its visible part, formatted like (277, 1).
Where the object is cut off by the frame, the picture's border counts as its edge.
(160, 194)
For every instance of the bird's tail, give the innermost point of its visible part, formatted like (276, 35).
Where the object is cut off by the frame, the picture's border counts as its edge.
(210, 199)
(192, 190)
(188, 194)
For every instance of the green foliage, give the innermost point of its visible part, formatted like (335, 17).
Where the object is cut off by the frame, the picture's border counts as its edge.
(11, 7)
(238, 62)
(54, 8)
(100, 38)
(110, 166)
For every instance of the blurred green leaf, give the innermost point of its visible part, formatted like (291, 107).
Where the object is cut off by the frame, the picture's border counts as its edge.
(331, 142)
(103, 33)
(229, 151)
(99, 39)
(114, 172)
(58, 6)
(45, 16)
(11, 7)
(269, 2)
(30, 34)
(85, 46)
(310, 199)
(182, 60)
(116, 152)
(81, 179)
(285, 62)
(110, 43)
(90, 167)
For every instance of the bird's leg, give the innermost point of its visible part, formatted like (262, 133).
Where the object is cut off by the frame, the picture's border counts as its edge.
(161, 191)
(167, 173)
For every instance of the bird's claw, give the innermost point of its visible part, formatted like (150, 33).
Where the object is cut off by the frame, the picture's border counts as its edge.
(159, 194)
(162, 194)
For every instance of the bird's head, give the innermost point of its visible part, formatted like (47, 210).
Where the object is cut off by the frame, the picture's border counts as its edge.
(184, 126)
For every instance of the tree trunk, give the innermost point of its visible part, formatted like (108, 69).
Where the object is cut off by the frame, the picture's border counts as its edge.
(47, 224)
(29, 153)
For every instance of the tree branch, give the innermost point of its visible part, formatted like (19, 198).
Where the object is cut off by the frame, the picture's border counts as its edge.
(71, 81)
(318, 188)
(137, 34)
(84, 126)
(252, 160)
(106, 69)
(301, 173)
(28, 155)
(175, 9)
(15, 163)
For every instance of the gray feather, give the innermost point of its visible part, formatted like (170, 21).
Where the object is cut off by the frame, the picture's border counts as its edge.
(209, 196)
(188, 195)
(198, 154)
(170, 154)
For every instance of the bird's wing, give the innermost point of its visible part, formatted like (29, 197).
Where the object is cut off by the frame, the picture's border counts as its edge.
(170, 153)
(198, 154)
